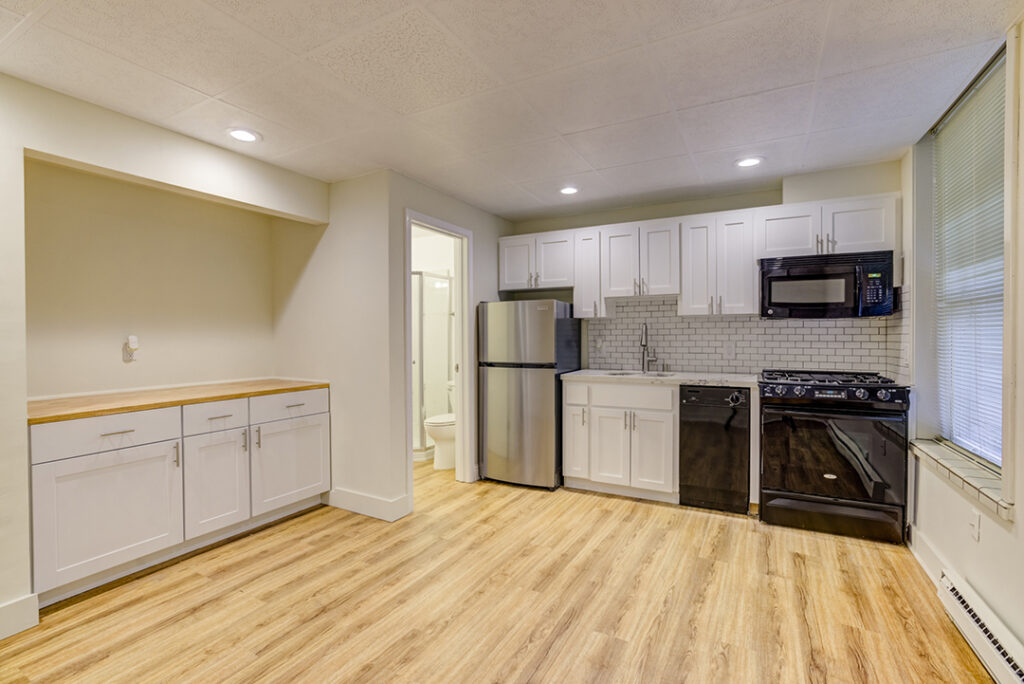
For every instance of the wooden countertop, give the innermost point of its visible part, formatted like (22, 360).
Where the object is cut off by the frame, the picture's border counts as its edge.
(89, 405)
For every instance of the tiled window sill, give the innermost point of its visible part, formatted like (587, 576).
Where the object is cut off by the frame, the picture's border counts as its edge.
(977, 482)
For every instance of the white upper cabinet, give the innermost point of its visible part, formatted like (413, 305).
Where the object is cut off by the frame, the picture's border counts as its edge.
(586, 294)
(542, 260)
(719, 270)
(659, 257)
(698, 276)
(865, 224)
(620, 262)
(516, 262)
(554, 262)
(788, 230)
(735, 266)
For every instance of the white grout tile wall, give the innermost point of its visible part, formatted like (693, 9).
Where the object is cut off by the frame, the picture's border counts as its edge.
(898, 341)
(739, 344)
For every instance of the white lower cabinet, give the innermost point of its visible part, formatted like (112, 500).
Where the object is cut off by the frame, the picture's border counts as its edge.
(93, 512)
(290, 461)
(627, 446)
(216, 472)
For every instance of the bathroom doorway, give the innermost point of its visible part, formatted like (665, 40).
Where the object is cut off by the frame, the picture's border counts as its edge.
(440, 349)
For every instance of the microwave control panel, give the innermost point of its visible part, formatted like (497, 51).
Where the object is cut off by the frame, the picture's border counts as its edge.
(874, 289)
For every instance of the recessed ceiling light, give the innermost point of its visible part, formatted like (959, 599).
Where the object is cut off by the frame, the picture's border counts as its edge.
(569, 190)
(749, 161)
(244, 135)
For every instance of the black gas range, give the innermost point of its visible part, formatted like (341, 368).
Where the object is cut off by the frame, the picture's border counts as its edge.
(834, 452)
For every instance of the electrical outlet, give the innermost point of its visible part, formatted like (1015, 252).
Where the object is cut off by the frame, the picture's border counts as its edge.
(975, 524)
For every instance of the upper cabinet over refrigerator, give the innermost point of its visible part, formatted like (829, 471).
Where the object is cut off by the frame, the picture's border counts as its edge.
(527, 262)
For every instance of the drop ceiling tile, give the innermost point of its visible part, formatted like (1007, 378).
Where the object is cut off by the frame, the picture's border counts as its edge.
(302, 25)
(401, 145)
(21, 7)
(639, 140)
(507, 201)
(307, 96)
(591, 185)
(534, 161)
(671, 173)
(457, 174)
(750, 119)
(922, 87)
(529, 37)
(406, 63)
(495, 119)
(8, 20)
(328, 161)
(867, 33)
(210, 120)
(619, 88)
(184, 40)
(661, 18)
(762, 51)
(67, 65)
(781, 157)
(863, 144)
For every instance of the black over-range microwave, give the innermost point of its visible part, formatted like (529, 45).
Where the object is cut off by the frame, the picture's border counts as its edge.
(828, 286)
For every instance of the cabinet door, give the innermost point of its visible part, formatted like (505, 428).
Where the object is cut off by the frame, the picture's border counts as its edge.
(516, 262)
(290, 461)
(698, 272)
(659, 257)
(575, 442)
(620, 261)
(653, 452)
(586, 294)
(860, 225)
(554, 259)
(735, 264)
(92, 513)
(216, 472)
(788, 230)
(609, 437)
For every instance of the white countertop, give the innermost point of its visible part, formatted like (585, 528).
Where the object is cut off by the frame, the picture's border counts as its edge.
(658, 378)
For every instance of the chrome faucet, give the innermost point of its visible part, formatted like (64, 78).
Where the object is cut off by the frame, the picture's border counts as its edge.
(647, 356)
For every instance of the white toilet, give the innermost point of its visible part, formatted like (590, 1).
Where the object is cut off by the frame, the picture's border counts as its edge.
(442, 430)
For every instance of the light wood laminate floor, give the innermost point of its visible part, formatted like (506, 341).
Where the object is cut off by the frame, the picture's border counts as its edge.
(488, 582)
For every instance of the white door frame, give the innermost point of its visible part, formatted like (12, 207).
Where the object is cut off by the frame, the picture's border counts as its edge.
(466, 466)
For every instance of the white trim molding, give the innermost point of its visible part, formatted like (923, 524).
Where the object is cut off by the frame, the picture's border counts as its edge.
(977, 483)
(371, 505)
(19, 615)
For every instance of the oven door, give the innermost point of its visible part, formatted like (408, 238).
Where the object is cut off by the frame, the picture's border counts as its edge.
(836, 454)
(810, 293)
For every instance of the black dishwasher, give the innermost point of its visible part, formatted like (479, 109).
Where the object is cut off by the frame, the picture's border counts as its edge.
(714, 447)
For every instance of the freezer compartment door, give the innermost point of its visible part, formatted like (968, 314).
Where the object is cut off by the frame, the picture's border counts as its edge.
(518, 332)
(519, 435)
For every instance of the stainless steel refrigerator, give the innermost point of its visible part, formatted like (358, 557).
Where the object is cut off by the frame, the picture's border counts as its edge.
(524, 348)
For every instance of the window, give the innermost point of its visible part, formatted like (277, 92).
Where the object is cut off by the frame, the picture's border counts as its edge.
(968, 176)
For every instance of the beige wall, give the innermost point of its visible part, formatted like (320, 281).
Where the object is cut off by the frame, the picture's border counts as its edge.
(105, 259)
(652, 211)
(849, 181)
(43, 123)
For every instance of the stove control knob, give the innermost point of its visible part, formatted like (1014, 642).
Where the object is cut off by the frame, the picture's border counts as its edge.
(780, 390)
(862, 393)
(799, 391)
(883, 394)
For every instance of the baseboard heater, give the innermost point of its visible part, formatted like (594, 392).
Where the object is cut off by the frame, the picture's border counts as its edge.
(990, 638)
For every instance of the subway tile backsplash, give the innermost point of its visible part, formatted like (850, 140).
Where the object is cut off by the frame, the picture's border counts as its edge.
(737, 344)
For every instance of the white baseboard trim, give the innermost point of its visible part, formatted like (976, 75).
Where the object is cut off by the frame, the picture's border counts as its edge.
(927, 557)
(620, 490)
(370, 504)
(19, 615)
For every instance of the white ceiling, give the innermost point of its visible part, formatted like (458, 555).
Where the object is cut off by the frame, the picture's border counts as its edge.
(501, 102)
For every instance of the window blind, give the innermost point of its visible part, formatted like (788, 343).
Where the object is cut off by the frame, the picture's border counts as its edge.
(968, 173)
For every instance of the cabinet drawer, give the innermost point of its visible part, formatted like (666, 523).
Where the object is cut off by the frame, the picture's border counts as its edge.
(212, 416)
(287, 405)
(576, 393)
(54, 441)
(635, 397)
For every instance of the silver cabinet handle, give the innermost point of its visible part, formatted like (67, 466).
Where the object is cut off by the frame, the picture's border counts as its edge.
(719, 304)
(536, 279)
(245, 440)
(226, 415)
(119, 432)
(634, 420)
(595, 308)
(643, 286)
(625, 420)
(832, 242)
(259, 438)
(583, 413)
(711, 304)
(817, 244)
(295, 405)
(636, 286)
(177, 454)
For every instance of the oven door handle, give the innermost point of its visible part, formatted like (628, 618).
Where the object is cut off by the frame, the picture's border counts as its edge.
(895, 416)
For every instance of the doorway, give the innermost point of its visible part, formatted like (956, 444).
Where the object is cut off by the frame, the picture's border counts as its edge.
(440, 350)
